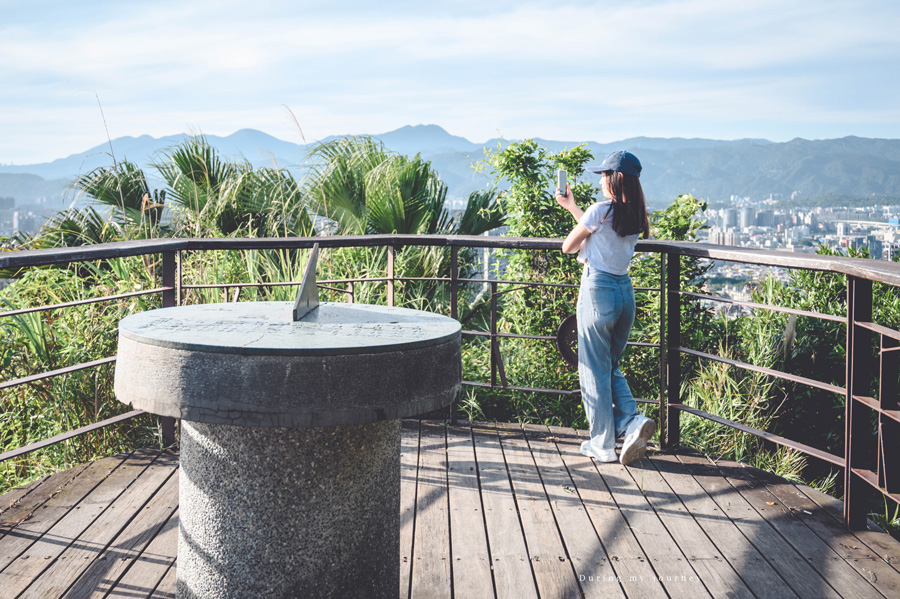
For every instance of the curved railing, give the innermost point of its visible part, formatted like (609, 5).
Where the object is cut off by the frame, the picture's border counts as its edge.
(863, 368)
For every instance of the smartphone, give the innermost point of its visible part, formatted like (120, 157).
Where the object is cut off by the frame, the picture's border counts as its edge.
(561, 182)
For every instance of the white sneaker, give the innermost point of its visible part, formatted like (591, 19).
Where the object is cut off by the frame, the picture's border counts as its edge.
(601, 455)
(635, 445)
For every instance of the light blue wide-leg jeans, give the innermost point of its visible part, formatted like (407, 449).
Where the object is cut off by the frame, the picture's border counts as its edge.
(605, 312)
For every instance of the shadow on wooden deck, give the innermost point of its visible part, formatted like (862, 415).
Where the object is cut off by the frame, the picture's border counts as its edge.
(486, 511)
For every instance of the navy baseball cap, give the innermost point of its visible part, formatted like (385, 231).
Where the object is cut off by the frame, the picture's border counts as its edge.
(621, 161)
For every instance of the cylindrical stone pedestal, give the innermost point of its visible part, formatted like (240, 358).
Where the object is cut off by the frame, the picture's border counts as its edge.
(290, 443)
(315, 511)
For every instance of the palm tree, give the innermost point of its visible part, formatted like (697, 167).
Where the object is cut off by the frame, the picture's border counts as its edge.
(364, 188)
(216, 196)
(124, 188)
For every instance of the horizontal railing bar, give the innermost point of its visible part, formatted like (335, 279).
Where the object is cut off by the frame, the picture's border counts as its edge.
(69, 435)
(728, 300)
(525, 389)
(336, 289)
(574, 393)
(864, 268)
(769, 371)
(434, 279)
(533, 283)
(877, 328)
(93, 300)
(52, 373)
(872, 478)
(320, 283)
(537, 337)
(873, 403)
(477, 333)
(362, 280)
(242, 285)
(807, 449)
(542, 337)
(526, 283)
(874, 270)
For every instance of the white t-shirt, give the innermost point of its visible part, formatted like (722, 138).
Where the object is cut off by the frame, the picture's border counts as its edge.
(604, 249)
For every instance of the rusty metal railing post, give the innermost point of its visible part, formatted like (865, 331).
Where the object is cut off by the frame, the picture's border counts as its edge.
(390, 274)
(171, 296)
(857, 432)
(178, 278)
(670, 436)
(454, 281)
(454, 312)
(662, 348)
(494, 344)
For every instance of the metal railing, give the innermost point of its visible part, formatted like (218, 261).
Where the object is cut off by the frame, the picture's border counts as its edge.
(861, 332)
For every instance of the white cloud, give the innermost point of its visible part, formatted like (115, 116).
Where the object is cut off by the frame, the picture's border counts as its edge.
(525, 69)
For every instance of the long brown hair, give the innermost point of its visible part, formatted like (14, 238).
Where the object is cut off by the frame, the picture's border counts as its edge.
(628, 207)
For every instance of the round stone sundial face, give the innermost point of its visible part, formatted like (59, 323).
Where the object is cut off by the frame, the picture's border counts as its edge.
(267, 328)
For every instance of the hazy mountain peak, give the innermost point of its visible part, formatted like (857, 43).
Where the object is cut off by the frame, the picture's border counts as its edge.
(708, 168)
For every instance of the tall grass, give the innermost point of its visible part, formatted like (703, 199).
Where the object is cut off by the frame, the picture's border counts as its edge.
(43, 341)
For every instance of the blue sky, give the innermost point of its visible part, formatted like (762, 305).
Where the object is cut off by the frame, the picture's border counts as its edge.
(575, 71)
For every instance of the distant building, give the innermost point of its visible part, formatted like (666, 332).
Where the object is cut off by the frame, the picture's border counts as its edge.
(874, 245)
(730, 218)
(24, 222)
(724, 236)
(747, 217)
(890, 250)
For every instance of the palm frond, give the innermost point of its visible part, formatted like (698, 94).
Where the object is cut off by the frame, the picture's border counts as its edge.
(483, 212)
(124, 187)
(337, 187)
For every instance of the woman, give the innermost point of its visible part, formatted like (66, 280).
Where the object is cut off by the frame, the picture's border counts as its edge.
(604, 238)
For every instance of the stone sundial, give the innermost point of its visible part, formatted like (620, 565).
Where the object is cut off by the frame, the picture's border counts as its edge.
(289, 422)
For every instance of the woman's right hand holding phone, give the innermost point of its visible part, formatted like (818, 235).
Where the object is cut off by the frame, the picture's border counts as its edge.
(568, 202)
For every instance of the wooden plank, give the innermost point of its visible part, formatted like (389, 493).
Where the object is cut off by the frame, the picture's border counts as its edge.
(513, 575)
(875, 538)
(551, 563)
(22, 571)
(845, 543)
(827, 515)
(154, 562)
(409, 460)
(59, 500)
(13, 496)
(588, 556)
(631, 565)
(166, 587)
(847, 581)
(793, 568)
(717, 575)
(431, 568)
(673, 569)
(93, 544)
(471, 557)
(747, 561)
(105, 571)
(28, 503)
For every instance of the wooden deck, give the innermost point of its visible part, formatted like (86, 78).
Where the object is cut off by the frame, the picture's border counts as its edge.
(486, 511)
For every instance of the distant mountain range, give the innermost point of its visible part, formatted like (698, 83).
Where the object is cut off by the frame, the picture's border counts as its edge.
(714, 169)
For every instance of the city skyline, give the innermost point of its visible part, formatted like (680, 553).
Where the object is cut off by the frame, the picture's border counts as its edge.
(580, 71)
